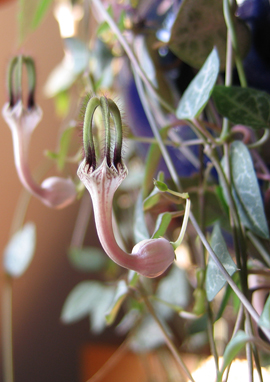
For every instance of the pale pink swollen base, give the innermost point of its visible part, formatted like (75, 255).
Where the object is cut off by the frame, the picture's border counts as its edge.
(150, 257)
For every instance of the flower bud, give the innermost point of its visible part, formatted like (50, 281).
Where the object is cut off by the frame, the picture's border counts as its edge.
(154, 256)
(58, 192)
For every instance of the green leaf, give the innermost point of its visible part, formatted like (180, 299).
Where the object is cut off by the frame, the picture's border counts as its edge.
(265, 316)
(155, 195)
(198, 27)
(213, 210)
(132, 278)
(140, 229)
(199, 90)
(120, 295)
(80, 301)
(151, 163)
(64, 146)
(42, 8)
(87, 259)
(152, 199)
(232, 349)
(98, 313)
(103, 27)
(20, 250)
(121, 21)
(224, 302)
(161, 186)
(30, 15)
(215, 280)
(62, 103)
(244, 106)
(88, 298)
(162, 224)
(175, 290)
(246, 190)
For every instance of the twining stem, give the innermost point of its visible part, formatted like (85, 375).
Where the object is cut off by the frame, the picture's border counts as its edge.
(228, 81)
(261, 141)
(156, 133)
(206, 136)
(184, 225)
(7, 343)
(210, 330)
(190, 142)
(231, 28)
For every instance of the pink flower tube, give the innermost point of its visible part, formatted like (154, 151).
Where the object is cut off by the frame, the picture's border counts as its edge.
(150, 257)
(54, 192)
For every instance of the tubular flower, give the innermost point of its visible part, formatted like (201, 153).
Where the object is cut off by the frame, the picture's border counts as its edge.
(150, 257)
(54, 192)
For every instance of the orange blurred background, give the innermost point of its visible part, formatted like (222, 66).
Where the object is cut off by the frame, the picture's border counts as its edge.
(44, 349)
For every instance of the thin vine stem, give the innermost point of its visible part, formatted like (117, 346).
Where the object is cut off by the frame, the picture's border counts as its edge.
(130, 53)
(7, 342)
(190, 142)
(228, 82)
(168, 340)
(81, 223)
(206, 136)
(261, 141)
(231, 28)
(210, 329)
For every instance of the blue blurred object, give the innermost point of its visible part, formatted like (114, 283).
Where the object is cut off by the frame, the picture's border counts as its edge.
(140, 127)
(256, 13)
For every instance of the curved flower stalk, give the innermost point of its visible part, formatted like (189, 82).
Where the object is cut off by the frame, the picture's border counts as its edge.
(54, 191)
(150, 257)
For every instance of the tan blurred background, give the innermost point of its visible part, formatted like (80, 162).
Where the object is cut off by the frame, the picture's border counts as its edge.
(45, 349)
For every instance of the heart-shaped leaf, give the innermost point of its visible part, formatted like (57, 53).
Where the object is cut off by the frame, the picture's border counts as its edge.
(198, 27)
(244, 106)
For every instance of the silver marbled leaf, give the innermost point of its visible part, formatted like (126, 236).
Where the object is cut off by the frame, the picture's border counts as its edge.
(215, 280)
(199, 90)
